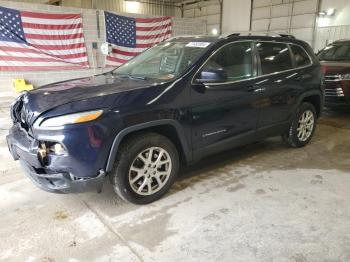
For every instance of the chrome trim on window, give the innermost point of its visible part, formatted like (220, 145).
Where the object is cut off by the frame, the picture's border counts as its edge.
(255, 77)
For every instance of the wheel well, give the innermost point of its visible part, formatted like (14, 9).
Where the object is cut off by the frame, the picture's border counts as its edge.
(315, 101)
(166, 130)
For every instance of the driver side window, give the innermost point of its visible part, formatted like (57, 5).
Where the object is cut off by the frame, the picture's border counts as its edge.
(234, 60)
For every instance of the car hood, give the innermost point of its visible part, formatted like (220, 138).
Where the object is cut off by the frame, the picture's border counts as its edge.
(53, 95)
(334, 68)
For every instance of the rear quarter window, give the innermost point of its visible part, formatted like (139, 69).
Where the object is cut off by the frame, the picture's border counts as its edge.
(274, 57)
(301, 58)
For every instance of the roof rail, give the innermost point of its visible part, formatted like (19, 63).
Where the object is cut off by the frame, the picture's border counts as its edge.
(232, 34)
(288, 36)
(249, 33)
(342, 40)
(178, 36)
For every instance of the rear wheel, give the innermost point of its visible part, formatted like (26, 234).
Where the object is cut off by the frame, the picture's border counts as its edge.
(146, 167)
(302, 127)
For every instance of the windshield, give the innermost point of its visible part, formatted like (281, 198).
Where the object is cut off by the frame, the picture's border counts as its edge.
(335, 53)
(163, 61)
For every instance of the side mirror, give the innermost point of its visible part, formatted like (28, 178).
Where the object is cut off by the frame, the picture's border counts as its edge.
(212, 75)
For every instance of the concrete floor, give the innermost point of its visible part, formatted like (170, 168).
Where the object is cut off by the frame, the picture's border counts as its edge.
(262, 202)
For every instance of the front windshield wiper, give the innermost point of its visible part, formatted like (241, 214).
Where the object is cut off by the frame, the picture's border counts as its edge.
(132, 76)
(138, 77)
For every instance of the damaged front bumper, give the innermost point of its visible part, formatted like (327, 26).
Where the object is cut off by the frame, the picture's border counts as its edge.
(62, 183)
(25, 149)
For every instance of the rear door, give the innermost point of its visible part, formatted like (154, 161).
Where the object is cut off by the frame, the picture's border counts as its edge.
(283, 78)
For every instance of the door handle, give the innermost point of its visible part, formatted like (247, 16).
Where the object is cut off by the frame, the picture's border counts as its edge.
(252, 88)
(255, 89)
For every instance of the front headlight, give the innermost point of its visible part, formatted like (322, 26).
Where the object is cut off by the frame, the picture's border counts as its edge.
(71, 119)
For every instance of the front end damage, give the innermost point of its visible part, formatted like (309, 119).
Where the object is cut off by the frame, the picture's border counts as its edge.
(50, 158)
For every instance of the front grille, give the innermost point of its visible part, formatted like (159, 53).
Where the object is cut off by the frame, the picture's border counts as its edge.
(334, 92)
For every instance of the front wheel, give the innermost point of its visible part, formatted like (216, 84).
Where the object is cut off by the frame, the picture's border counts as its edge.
(302, 127)
(146, 167)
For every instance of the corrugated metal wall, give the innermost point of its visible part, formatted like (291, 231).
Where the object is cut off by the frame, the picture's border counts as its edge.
(208, 11)
(120, 6)
(114, 5)
(296, 17)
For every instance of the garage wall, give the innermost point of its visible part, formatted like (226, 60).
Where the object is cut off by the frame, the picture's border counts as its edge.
(342, 15)
(112, 5)
(40, 78)
(335, 27)
(236, 15)
(208, 11)
(120, 6)
(329, 34)
(297, 17)
(96, 59)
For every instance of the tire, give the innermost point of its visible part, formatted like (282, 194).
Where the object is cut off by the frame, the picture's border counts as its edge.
(295, 137)
(139, 179)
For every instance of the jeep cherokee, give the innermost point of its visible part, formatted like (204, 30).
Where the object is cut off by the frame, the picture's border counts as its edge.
(182, 100)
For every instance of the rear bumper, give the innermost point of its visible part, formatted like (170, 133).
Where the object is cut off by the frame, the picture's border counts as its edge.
(24, 148)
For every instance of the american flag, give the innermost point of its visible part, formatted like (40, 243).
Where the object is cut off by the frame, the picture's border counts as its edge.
(41, 41)
(130, 36)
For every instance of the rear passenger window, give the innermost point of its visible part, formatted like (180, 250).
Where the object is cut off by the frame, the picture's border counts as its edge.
(300, 56)
(274, 57)
(235, 59)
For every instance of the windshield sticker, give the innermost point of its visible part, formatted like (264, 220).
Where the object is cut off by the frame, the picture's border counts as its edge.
(198, 44)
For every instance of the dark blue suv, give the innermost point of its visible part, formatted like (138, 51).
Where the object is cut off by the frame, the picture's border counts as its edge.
(176, 103)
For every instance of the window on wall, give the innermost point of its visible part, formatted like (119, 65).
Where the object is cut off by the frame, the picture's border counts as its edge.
(234, 59)
(300, 56)
(274, 57)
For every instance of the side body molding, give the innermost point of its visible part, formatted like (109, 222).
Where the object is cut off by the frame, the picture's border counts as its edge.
(179, 130)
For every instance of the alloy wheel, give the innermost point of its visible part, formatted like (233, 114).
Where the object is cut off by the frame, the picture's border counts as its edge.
(305, 125)
(150, 171)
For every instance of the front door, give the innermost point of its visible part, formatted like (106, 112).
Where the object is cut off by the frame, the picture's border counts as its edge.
(225, 108)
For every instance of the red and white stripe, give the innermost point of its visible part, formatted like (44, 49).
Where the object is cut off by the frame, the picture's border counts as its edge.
(149, 32)
(55, 42)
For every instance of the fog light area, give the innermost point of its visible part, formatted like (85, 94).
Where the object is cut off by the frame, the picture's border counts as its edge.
(47, 148)
(57, 149)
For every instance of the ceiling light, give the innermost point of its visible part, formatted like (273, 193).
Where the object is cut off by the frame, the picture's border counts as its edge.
(330, 12)
(214, 31)
(132, 6)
